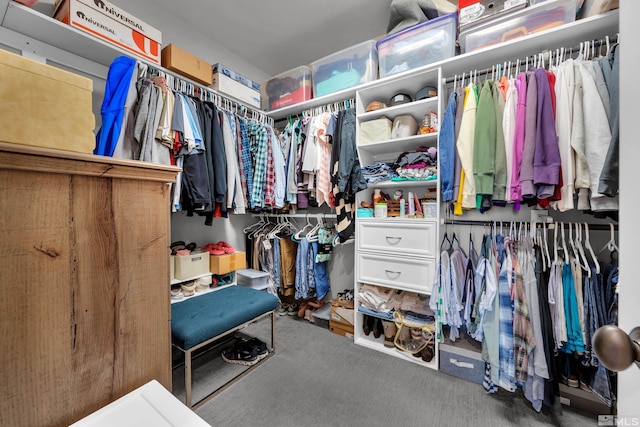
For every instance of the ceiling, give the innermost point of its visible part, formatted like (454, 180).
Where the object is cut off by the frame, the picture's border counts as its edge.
(278, 35)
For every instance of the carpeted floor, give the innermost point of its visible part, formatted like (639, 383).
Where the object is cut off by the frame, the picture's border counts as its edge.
(318, 378)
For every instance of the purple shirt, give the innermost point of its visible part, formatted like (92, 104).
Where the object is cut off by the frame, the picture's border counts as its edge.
(518, 142)
(546, 160)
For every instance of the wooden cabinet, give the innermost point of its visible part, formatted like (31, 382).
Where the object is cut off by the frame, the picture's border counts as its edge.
(84, 261)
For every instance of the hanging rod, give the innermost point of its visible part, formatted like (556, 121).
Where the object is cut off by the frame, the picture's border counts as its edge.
(330, 108)
(547, 55)
(190, 87)
(297, 215)
(599, 226)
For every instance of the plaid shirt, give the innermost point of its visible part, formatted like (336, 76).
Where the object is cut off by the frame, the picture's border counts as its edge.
(523, 339)
(244, 158)
(505, 316)
(259, 143)
(270, 174)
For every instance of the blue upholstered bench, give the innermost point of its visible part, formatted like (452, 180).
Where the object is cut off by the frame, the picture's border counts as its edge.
(201, 320)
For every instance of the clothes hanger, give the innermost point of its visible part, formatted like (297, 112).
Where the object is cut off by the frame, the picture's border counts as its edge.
(541, 245)
(564, 243)
(611, 244)
(584, 263)
(590, 249)
(555, 244)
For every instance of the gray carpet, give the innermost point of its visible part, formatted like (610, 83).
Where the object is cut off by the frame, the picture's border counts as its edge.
(318, 378)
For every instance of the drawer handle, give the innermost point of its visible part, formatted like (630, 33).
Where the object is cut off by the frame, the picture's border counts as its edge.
(394, 273)
(395, 241)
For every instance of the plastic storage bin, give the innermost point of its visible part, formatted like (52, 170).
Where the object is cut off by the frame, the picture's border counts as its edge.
(517, 24)
(422, 44)
(252, 278)
(344, 69)
(288, 88)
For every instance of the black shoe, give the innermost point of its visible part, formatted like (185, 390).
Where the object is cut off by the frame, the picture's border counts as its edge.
(241, 354)
(259, 346)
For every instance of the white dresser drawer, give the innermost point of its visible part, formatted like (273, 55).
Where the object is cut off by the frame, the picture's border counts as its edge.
(418, 238)
(410, 273)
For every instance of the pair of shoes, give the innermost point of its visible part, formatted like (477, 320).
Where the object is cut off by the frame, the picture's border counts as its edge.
(428, 352)
(188, 288)
(241, 353)
(308, 314)
(303, 307)
(219, 248)
(292, 310)
(390, 330)
(367, 324)
(203, 284)
(283, 310)
(259, 346)
(176, 294)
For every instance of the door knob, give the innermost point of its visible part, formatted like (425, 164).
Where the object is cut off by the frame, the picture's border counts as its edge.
(615, 349)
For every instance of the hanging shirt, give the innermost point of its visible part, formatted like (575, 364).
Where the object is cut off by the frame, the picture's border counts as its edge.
(280, 182)
(518, 141)
(546, 159)
(564, 89)
(447, 147)
(508, 130)
(530, 129)
(465, 148)
(259, 141)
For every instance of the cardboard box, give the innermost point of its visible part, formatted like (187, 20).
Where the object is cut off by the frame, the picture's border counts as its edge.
(186, 64)
(237, 90)
(583, 400)
(112, 12)
(226, 71)
(341, 315)
(97, 18)
(188, 266)
(29, 118)
(340, 329)
(223, 264)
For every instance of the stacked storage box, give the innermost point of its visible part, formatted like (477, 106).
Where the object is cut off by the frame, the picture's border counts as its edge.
(344, 69)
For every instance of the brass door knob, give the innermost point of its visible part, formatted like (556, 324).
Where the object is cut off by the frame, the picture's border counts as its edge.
(615, 349)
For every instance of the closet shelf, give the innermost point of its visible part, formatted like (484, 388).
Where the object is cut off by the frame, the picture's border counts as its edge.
(377, 344)
(404, 184)
(396, 146)
(38, 26)
(423, 105)
(595, 27)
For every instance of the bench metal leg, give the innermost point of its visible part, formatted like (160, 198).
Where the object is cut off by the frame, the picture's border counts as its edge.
(187, 377)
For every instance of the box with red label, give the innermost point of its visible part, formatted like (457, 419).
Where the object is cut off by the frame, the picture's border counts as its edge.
(477, 11)
(288, 88)
(110, 23)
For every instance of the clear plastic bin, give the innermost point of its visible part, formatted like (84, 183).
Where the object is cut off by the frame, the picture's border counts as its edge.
(540, 17)
(349, 67)
(288, 88)
(422, 44)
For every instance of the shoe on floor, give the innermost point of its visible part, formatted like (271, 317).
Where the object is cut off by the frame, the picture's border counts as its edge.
(283, 310)
(259, 346)
(241, 353)
(292, 310)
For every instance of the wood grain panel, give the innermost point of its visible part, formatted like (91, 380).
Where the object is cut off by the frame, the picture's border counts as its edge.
(142, 303)
(35, 301)
(85, 273)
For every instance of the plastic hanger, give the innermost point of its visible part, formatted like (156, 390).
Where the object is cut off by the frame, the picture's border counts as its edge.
(611, 244)
(584, 263)
(587, 243)
(564, 243)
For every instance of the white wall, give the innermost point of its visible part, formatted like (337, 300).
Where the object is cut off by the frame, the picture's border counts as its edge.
(629, 288)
